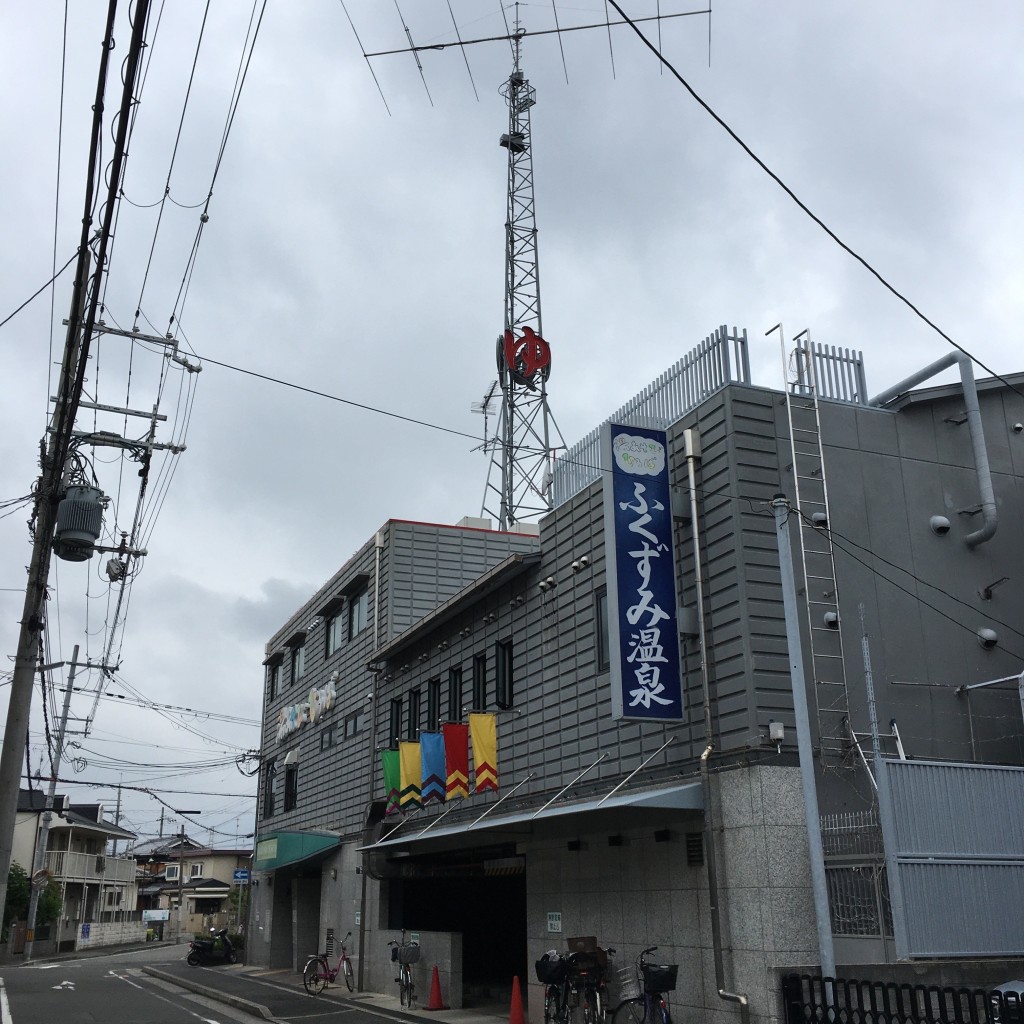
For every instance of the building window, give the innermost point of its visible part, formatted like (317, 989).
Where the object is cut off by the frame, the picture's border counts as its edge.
(412, 724)
(601, 629)
(291, 786)
(335, 627)
(503, 679)
(480, 682)
(433, 703)
(327, 737)
(358, 612)
(356, 722)
(195, 871)
(269, 773)
(395, 722)
(455, 694)
(171, 873)
(273, 679)
(298, 664)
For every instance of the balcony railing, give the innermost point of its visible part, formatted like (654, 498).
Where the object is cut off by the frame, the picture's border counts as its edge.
(90, 867)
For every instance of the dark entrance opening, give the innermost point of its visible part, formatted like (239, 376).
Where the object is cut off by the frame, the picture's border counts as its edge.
(482, 894)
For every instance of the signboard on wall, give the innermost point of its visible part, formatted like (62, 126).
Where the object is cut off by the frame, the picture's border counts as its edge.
(156, 915)
(643, 627)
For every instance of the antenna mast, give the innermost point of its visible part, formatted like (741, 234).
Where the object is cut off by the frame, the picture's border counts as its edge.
(521, 452)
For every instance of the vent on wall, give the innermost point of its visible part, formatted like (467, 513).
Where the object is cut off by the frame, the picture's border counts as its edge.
(694, 849)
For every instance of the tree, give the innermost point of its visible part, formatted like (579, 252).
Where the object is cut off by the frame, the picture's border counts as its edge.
(18, 891)
(50, 903)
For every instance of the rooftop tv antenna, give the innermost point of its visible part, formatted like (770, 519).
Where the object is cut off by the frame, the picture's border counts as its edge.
(519, 476)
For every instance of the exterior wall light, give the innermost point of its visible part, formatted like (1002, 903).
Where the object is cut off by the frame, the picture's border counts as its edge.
(988, 638)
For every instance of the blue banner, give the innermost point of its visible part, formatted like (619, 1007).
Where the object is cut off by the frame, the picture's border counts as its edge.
(643, 628)
(432, 762)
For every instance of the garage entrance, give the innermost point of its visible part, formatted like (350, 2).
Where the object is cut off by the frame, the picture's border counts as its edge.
(482, 894)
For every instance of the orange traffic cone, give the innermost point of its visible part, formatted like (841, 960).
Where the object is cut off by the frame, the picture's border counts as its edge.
(516, 1013)
(435, 993)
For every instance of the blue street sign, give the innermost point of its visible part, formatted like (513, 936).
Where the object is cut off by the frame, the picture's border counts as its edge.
(241, 876)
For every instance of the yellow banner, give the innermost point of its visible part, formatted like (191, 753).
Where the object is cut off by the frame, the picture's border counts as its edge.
(484, 732)
(411, 778)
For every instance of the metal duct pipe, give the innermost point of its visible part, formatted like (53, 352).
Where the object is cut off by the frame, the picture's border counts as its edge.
(973, 410)
(693, 452)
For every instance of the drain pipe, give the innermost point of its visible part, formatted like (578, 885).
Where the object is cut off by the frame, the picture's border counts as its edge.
(973, 409)
(693, 453)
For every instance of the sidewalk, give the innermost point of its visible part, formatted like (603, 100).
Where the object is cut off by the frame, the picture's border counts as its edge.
(279, 994)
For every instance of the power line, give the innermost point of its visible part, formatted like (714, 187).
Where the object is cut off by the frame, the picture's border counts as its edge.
(803, 206)
(40, 291)
(343, 401)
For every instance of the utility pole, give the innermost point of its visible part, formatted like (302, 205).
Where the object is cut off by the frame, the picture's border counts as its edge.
(181, 870)
(39, 879)
(819, 885)
(72, 378)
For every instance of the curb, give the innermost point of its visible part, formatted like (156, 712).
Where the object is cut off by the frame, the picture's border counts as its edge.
(257, 1009)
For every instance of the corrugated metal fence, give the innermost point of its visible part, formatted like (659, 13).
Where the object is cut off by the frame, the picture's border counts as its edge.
(954, 839)
(718, 360)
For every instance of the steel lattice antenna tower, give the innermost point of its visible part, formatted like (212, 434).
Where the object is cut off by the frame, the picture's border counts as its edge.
(521, 451)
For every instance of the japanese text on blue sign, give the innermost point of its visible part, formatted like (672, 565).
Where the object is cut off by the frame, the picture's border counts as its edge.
(643, 633)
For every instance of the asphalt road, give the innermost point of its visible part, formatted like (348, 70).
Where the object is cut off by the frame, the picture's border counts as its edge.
(116, 989)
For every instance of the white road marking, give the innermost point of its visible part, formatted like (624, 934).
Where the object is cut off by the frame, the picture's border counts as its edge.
(66, 984)
(40, 967)
(5, 1009)
(177, 1006)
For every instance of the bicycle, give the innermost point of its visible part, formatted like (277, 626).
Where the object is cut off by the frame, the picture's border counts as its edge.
(650, 1007)
(585, 984)
(318, 973)
(552, 971)
(405, 953)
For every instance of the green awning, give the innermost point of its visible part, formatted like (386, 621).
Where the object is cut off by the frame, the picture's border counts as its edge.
(280, 849)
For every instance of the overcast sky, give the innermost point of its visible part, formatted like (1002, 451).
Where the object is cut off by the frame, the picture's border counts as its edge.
(355, 245)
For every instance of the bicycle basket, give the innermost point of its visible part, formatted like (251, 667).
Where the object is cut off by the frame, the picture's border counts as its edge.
(660, 977)
(408, 954)
(550, 970)
(627, 985)
(587, 964)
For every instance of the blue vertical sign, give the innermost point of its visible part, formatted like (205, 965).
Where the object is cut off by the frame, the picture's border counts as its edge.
(643, 627)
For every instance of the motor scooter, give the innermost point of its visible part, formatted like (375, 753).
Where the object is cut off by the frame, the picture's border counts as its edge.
(209, 951)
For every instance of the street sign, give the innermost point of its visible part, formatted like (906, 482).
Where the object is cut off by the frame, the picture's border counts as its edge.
(241, 876)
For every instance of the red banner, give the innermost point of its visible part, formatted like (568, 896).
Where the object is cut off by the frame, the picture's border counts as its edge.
(456, 759)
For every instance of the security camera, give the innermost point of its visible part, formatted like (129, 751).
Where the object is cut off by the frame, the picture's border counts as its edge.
(584, 561)
(940, 525)
(543, 585)
(575, 566)
(1018, 427)
(369, 696)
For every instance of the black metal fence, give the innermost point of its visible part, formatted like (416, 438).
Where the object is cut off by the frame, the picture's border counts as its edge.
(841, 1001)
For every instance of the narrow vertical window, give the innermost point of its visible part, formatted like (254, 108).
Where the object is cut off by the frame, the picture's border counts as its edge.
(412, 725)
(503, 678)
(433, 703)
(455, 694)
(269, 773)
(480, 682)
(298, 663)
(358, 612)
(335, 626)
(601, 629)
(291, 786)
(395, 722)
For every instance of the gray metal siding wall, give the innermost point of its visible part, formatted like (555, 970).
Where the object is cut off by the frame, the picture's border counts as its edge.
(432, 564)
(888, 473)
(955, 842)
(419, 568)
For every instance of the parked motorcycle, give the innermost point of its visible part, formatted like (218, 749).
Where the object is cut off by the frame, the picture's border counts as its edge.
(211, 951)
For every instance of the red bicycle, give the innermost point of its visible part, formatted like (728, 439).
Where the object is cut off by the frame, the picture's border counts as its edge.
(318, 973)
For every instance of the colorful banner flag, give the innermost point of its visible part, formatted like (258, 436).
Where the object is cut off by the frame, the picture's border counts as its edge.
(392, 778)
(411, 780)
(432, 760)
(484, 731)
(456, 759)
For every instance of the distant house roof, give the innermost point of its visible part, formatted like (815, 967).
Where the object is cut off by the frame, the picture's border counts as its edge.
(167, 849)
(80, 816)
